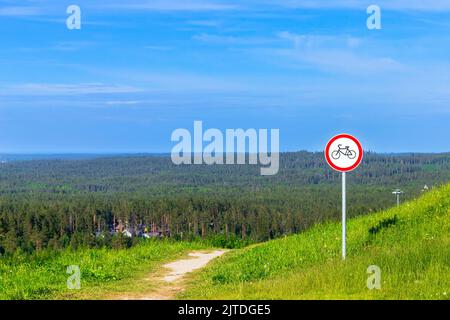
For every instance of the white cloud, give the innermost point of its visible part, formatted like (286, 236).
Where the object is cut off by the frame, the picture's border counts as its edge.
(232, 40)
(72, 45)
(66, 89)
(309, 40)
(204, 23)
(123, 102)
(19, 11)
(421, 5)
(349, 62)
(333, 53)
(167, 5)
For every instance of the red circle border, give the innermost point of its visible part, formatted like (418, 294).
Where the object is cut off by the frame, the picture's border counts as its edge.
(356, 164)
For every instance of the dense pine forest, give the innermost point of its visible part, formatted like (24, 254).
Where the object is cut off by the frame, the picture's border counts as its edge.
(117, 201)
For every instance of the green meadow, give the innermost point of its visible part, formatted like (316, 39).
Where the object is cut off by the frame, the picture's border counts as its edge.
(103, 271)
(410, 245)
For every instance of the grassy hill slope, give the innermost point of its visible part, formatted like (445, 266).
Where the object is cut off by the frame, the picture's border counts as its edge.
(410, 244)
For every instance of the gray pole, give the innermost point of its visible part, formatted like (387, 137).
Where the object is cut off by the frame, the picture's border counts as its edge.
(343, 215)
(398, 199)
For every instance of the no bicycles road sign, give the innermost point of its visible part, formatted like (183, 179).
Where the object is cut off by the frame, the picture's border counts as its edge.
(344, 153)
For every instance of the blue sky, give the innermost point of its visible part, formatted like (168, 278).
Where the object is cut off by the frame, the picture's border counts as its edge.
(137, 70)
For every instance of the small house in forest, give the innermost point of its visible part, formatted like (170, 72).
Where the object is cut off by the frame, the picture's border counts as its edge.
(127, 233)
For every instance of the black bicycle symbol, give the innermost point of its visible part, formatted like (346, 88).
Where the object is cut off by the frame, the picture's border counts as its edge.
(336, 154)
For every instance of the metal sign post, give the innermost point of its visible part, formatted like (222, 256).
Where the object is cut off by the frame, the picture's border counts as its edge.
(344, 153)
(344, 209)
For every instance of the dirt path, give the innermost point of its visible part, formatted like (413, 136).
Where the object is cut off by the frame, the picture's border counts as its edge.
(170, 282)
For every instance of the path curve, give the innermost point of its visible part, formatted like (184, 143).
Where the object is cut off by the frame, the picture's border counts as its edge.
(171, 283)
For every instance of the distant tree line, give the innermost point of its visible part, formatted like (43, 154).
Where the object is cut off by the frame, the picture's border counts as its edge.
(62, 203)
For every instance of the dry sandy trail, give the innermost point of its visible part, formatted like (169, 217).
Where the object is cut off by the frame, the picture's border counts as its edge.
(171, 282)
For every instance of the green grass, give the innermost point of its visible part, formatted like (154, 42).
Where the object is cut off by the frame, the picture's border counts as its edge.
(410, 244)
(103, 271)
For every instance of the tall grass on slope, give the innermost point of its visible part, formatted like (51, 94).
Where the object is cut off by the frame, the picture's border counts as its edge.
(410, 244)
(43, 275)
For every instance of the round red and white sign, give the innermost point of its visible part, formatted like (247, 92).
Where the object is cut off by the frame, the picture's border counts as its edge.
(344, 152)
